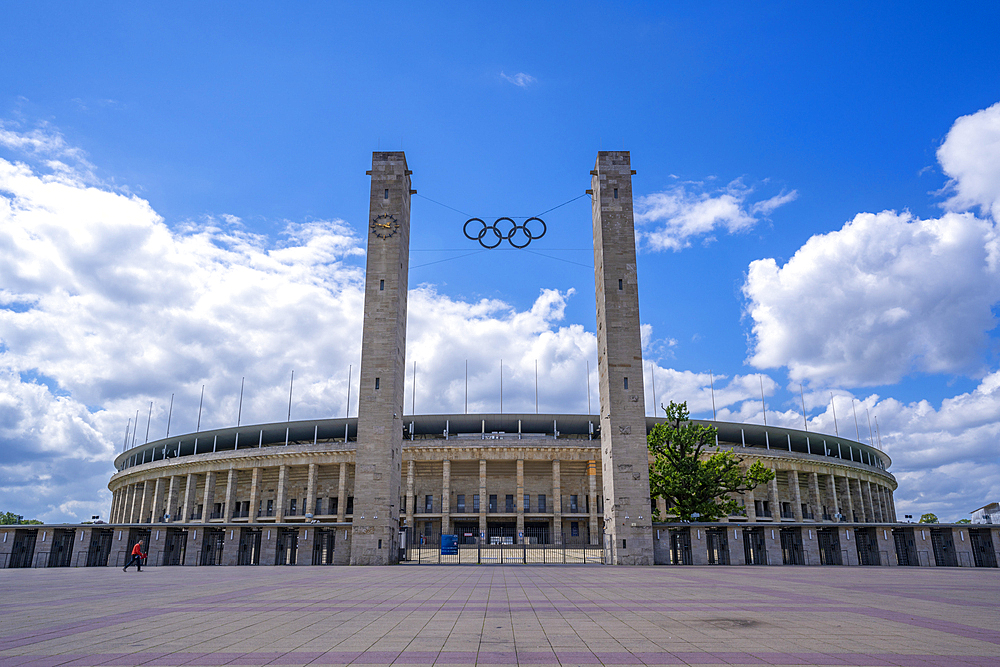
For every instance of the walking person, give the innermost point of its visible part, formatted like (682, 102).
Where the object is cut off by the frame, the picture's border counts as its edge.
(137, 557)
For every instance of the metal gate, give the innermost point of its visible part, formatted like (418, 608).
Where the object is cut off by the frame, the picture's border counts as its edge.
(944, 547)
(680, 546)
(249, 549)
(61, 552)
(791, 546)
(137, 535)
(24, 548)
(718, 546)
(175, 546)
(100, 547)
(288, 546)
(906, 547)
(211, 546)
(829, 546)
(324, 544)
(754, 550)
(982, 547)
(867, 543)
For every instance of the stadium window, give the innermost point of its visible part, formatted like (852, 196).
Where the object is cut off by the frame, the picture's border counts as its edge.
(509, 503)
(527, 502)
(460, 505)
(626, 383)
(428, 504)
(541, 502)
(574, 528)
(573, 504)
(493, 502)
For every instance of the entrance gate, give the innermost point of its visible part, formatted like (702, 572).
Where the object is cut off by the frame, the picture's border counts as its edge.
(829, 546)
(175, 546)
(100, 547)
(680, 546)
(791, 546)
(753, 546)
(718, 546)
(324, 544)
(982, 547)
(944, 547)
(906, 547)
(249, 550)
(287, 547)
(24, 548)
(867, 546)
(506, 554)
(61, 552)
(211, 546)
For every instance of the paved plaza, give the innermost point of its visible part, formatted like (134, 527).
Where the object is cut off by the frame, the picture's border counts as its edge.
(500, 615)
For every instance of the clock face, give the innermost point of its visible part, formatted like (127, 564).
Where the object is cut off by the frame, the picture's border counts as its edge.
(384, 226)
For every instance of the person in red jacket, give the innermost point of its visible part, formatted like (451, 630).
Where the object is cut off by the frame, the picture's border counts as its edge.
(137, 557)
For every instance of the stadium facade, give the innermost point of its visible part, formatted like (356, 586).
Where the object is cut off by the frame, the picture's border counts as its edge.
(373, 489)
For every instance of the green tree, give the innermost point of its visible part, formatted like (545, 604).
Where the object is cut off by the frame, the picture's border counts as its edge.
(691, 482)
(928, 518)
(964, 521)
(9, 519)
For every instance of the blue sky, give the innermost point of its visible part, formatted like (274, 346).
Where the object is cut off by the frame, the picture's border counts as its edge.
(234, 139)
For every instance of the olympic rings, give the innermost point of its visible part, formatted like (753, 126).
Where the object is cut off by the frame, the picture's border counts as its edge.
(491, 232)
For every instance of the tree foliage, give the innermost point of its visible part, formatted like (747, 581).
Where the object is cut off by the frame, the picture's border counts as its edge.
(9, 519)
(690, 482)
(928, 518)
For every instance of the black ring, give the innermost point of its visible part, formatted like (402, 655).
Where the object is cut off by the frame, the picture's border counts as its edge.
(515, 228)
(465, 229)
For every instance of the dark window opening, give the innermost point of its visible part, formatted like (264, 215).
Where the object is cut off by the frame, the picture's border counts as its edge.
(291, 507)
(541, 502)
(527, 502)
(619, 284)
(493, 502)
(387, 193)
(475, 502)
(376, 383)
(428, 504)
(460, 505)
(381, 285)
(626, 383)
(350, 504)
(574, 505)
(574, 528)
(509, 503)
(616, 193)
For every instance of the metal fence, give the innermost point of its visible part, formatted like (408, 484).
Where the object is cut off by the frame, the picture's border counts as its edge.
(507, 554)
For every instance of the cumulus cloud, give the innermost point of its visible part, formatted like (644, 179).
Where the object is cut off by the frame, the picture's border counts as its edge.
(889, 294)
(970, 156)
(521, 80)
(883, 297)
(689, 210)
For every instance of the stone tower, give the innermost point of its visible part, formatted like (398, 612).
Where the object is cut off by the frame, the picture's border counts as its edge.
(375, 533)
(628, 530)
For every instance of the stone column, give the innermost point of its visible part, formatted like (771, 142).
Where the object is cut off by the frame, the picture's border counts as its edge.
(410, 473)
(172, 491)
(190, 484)
(229, 507)
(793, 484)
(116, 505)
(817, 508)
(595, 537)
(866, 494)
(143, 503)
(750, 505)
(379, 450)
(484, 500)
(624, 454)
(157, 503)
(847, 507)
(310, 507)
(519, 501)
(342, 493)
(254, 495)
(892, 506)
(446, 497)
(208, 498)
(282, 491)
(772, 497)
(556, 503)
(831, 484)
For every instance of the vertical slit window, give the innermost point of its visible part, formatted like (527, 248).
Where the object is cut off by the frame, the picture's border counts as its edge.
(387, 193)
(616, 193)
(620, 286)
(376, 383)
(381, 285)
(626, 383)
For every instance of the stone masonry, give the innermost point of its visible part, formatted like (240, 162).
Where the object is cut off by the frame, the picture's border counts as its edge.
(383, 352)
(627, 520)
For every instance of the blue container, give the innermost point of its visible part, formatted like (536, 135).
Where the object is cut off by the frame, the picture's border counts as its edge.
(449, 545)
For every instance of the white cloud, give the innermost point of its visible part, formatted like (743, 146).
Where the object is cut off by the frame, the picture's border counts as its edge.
(883, 297)
(521, 80)
(970, 156)
(688, 211)
(889, 294)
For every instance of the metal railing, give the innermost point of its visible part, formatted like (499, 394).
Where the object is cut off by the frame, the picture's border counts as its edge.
(507, 554)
